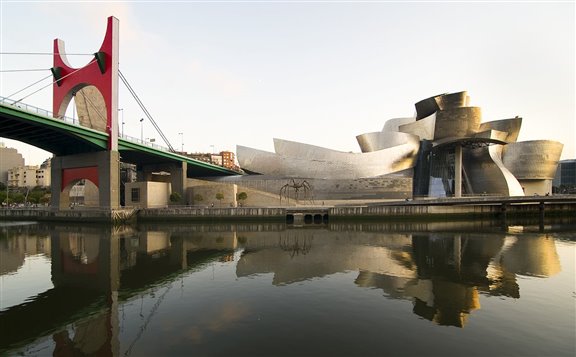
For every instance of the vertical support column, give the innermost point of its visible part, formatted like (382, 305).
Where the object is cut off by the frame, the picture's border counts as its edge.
(178, 178)
(109, 177)
(55, 181)
(458, 171)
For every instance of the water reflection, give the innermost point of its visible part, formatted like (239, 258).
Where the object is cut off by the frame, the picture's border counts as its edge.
(97, 269)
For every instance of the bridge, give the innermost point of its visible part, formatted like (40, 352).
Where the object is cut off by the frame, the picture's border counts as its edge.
(93, 152)
(65, 136)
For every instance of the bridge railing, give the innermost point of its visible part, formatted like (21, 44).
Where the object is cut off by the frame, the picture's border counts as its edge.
(74, 121)
(36, 110)
(144, 142)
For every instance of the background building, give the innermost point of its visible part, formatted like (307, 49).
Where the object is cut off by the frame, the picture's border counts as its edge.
(44, 174)
(565, 179)
(9, 158)
(30, 175)
(226, 159)
(22, 176)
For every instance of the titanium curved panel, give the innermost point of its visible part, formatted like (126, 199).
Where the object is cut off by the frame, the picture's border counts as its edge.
(452, 100)
(382, 140)
(485, 172)
(457, 122)
(394, 124)
(533, 160)
(492, 135)
(509, 126)
(427, 107)
(393, 157)
(258, 161)
(423, 128)
(308, 161)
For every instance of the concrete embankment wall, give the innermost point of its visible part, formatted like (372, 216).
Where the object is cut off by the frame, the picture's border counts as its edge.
(382, 212)
(436, 212)
(213, 214)
(79, 215)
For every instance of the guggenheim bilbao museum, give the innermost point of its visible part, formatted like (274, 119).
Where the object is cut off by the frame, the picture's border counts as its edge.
(444, 150)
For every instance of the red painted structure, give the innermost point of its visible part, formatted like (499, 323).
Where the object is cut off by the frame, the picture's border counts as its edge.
(99, 167)
(79, 173)
(101, 72)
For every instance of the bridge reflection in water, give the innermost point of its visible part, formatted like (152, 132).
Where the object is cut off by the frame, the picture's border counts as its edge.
(100, 272)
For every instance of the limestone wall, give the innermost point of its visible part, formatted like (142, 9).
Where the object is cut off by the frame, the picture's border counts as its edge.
(203, 193)
(152, 194)
(385, 187)
(255, 196)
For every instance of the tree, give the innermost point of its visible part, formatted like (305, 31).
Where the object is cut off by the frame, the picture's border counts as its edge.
(175, 197)
(220, 197)
(45, 199)
(18, 197)
(198, 198)
(35, 196)
(241, 196)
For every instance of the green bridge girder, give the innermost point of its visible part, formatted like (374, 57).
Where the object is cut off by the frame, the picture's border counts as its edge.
(62, 138)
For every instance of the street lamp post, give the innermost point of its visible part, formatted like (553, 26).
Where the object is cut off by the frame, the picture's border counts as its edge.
(122, 110)
(182, 140)
(142, 130)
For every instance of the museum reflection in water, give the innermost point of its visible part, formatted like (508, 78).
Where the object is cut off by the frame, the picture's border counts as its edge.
(94, 269)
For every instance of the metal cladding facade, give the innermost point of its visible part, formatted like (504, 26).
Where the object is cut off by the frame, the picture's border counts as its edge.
(293, 159)
(381, 140)
(509, 126)
(533, 160)
(444, 133)
(457, 122)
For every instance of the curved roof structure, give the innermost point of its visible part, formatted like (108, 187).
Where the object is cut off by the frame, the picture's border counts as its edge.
(394, 123)
(293, 159)
(380, 140)
(531, 160)
(510, 126)
(457, 122)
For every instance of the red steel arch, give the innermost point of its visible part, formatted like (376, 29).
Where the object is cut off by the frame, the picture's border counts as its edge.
(101, 73)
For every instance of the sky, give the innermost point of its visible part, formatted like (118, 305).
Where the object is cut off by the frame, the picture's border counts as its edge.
(227, 73)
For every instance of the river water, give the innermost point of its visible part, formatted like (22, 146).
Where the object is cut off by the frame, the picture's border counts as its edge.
(428, 289)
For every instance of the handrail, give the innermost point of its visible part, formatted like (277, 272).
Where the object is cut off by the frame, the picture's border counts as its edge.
(73, 121)
(36, 110)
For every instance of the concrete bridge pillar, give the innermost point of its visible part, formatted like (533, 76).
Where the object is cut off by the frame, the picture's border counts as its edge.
(178, 178)
(102, 168)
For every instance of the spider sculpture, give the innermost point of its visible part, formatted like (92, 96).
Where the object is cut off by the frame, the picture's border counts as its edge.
(296, 186)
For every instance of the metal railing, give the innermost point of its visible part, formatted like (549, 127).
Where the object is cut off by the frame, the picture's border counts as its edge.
(50, 115)
(33, 109)
(144, 142)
